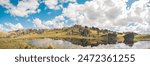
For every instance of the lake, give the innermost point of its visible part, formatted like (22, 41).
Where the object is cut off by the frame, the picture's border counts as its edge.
(87, 44)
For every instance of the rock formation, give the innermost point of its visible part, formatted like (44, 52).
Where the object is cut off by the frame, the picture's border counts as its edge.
(129, 39)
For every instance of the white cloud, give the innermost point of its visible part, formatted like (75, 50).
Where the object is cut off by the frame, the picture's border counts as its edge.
(55, 4)
(105, 14)
(58, 22)
(6, 4)
(111, 14)
(51, 4)
(65, 1)
(38, 24)
(23, 8)
(12, 27)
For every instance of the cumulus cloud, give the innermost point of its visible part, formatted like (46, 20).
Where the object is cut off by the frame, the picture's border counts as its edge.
(57, 22)
(23, 8)
(55, 4)
(104, 14)
(6, 4)
(94, 13)
(65, 1)
(26, 7)
(38, 24)
(51, 4)
(111, 14)
(12, 27)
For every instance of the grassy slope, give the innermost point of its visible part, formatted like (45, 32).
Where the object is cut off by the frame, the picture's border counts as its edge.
(59, 33)
(120, 38)
(56, 33)
(14, 44)
(142, 37)
(3, 34)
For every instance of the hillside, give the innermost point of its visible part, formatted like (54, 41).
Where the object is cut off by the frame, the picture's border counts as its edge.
(3, 34)
(75, 31)
(77, 34)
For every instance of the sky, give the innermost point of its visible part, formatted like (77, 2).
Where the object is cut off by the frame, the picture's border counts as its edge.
(115, 15)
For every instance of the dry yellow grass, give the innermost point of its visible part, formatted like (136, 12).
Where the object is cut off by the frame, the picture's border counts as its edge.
(120, 38)
(14, 44)
(3, 34)
(142, 37)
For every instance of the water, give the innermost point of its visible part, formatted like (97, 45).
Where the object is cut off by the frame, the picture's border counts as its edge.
(76, 44)
(137, 45)
(58, 44)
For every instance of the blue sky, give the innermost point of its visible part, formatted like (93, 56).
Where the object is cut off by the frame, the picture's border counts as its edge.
(45, 14)
(42, 13)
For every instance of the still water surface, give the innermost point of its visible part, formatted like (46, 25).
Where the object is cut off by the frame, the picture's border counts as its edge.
(63, 44)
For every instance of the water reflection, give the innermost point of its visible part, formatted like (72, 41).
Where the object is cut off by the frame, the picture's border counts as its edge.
(61, 44)
(86, 43)
(137, 45)
(129, 43)
(129, 39)
(96, 42)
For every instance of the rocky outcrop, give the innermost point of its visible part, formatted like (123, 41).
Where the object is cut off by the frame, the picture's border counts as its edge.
(129, 39)
(78, 30)
(84, 31)
(110, 38)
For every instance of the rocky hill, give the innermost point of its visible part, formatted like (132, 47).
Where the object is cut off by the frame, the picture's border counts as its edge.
(77, 34)
(76, 30)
